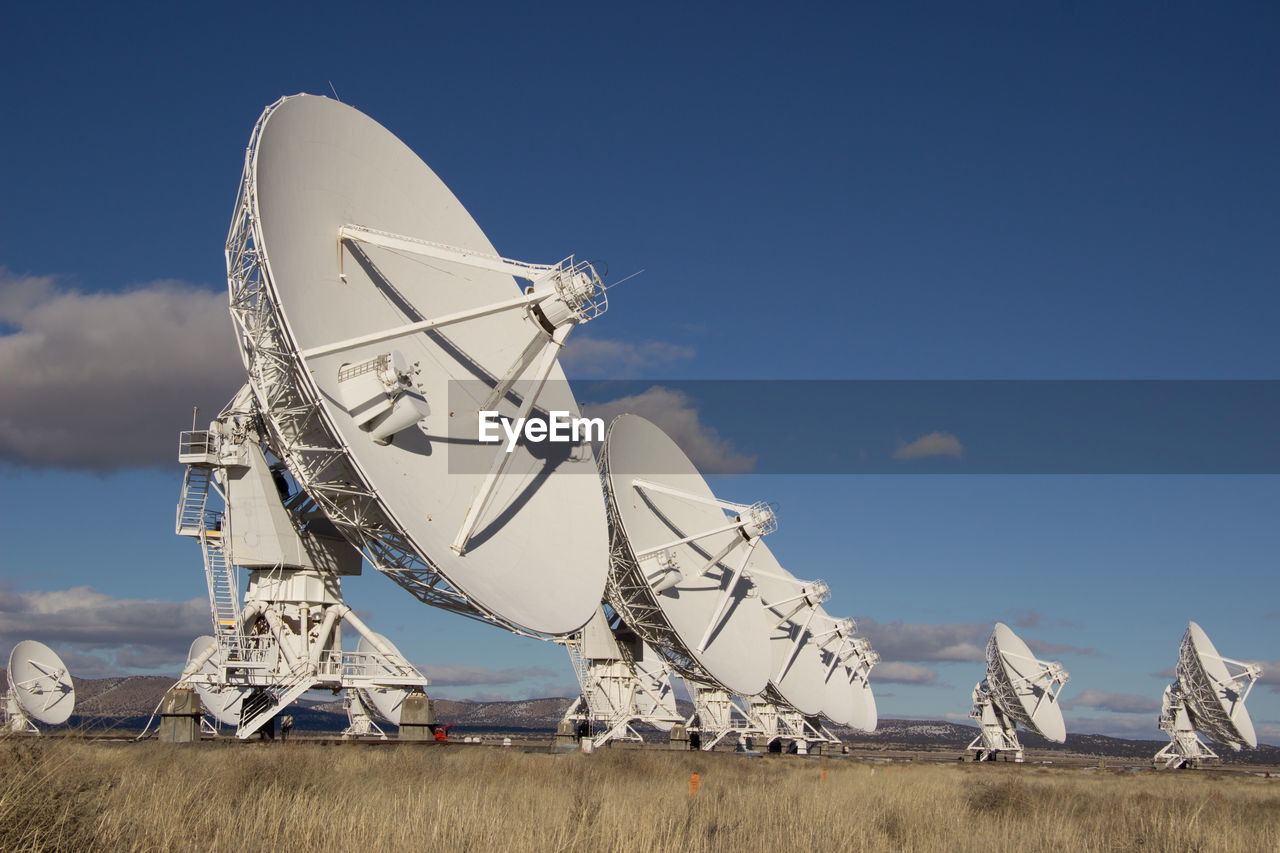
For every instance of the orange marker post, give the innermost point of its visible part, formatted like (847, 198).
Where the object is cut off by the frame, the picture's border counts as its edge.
(694, 779)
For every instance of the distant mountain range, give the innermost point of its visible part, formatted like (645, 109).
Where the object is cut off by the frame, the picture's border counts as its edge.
(125, 703)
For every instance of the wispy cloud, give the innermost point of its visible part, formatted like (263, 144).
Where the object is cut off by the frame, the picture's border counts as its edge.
(1270, 678)
(677, 415)
(901, 641)
(1132, 726)
(1120, 703)
(585, 355)
(105, 380)
(933, 444)
(98, 634)
(895, 672)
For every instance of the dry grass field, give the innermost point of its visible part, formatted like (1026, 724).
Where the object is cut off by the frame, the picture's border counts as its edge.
(65, 794)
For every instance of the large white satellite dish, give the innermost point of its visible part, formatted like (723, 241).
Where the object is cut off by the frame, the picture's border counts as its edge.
(1206, 696)
(40, 688)
(376, 320)
(847, 698)
(1018, 689)
(798, 676)
(678, 561)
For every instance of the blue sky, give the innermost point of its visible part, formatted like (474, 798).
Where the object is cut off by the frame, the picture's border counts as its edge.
(999, 191)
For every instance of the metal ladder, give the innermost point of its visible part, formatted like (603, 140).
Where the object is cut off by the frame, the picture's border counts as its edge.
(197, 521)
(224, 593)
(195, 494)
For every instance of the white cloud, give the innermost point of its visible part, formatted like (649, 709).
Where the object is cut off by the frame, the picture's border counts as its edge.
(1120, 703)
(903, 673)
(1132, 726)
(899, 641)
(673, 412)
(1270, 677)
(585, 355)
(106, 380)
(98, 634)
(933, 444)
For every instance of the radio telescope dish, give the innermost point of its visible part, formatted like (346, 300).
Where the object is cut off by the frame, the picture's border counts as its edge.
(798, 676)
(376, 320)
(386, 699)
(1208, 697)
(1214, 697)
(847, 698)
(40, 687)
(1023, 685)
(679, 561)
(1018, 689)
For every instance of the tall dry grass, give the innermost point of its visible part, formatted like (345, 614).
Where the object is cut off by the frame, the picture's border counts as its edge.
(70, 795)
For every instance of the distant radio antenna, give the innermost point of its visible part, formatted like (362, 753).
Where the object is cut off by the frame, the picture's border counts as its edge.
(1206, 695)
(1018, 689)
(335, 91)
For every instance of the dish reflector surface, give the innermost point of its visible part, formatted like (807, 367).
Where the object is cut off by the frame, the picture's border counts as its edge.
(1012, 676)
(41, 683)
(538, 557)
(800, 680)
(738, 656)
(1209, 690)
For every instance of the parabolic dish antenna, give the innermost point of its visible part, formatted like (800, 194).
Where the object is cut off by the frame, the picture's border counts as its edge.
(1214, 697)
(376, 320)
(40, 684)
(218, 699)
(1022, 686)
(798, 675)
(678, 561)
(386, 699)
(847, 698)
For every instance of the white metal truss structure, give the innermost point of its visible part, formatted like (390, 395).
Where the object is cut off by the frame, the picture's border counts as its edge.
(617, 693)
(631, 593)
(781, 724)
(999, 730)
(287, 638)
(1185, 748)
(360, 723)
(301, 433)
(717, 714)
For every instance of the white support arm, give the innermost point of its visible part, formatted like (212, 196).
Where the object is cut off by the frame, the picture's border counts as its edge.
(514, 372)
(796, 646)
(649, 552)
(727, 594)
(443, 252)
(650, 486)
(426, 325)
(550, 352)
